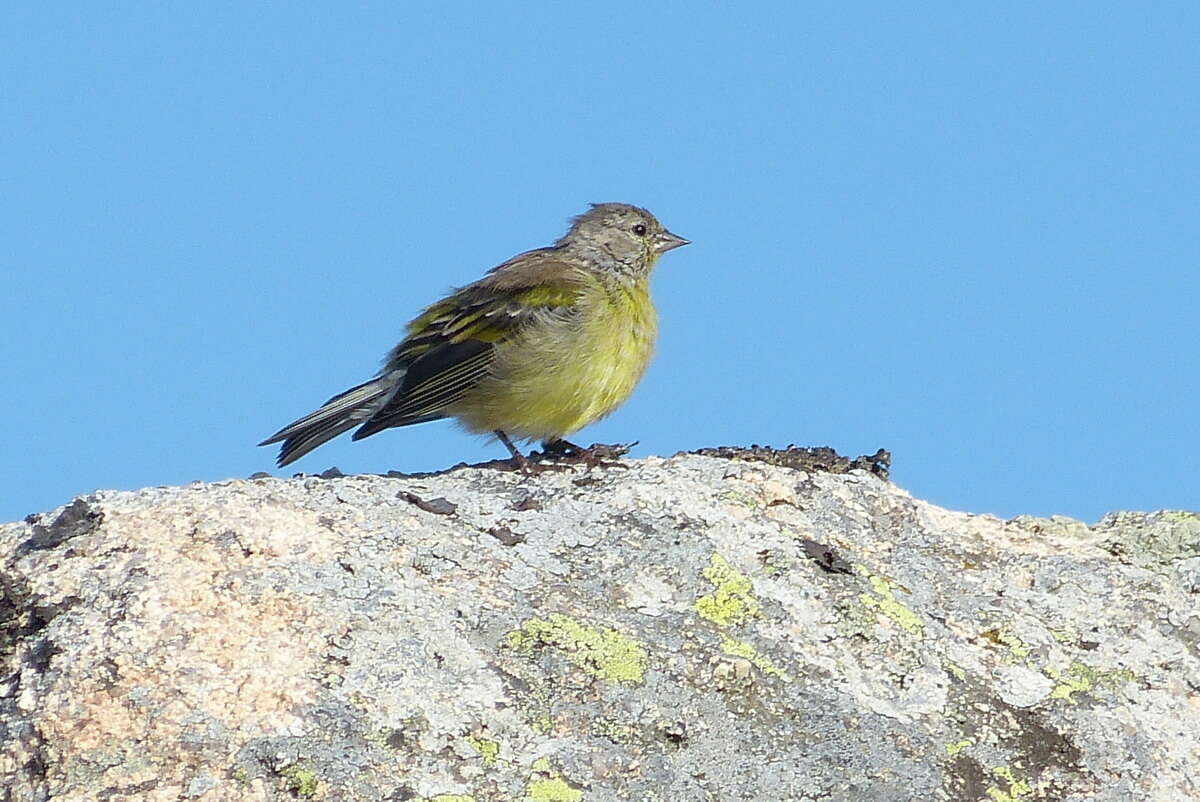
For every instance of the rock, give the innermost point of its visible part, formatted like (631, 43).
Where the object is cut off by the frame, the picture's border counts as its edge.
(692, 628)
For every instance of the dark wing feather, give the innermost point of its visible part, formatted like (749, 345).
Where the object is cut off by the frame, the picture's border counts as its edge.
(451, 345)
(434, 380)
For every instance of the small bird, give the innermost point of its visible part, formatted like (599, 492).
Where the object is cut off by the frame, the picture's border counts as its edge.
(544, 344)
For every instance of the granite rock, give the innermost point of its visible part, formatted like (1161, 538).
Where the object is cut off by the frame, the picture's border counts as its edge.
(691, 628)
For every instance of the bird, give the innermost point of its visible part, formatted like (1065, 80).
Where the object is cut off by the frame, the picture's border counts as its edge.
(544, 344)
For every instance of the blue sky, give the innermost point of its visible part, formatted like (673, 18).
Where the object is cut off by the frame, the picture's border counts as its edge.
(965, 232)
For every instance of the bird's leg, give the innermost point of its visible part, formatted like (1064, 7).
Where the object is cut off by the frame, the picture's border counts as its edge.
(517, 456)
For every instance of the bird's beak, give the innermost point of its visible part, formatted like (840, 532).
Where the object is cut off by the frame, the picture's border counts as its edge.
(666, 241)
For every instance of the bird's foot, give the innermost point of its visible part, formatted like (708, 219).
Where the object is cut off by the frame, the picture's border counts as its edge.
(561, 455)
(597, 455)
(559, 448)
(524, 464)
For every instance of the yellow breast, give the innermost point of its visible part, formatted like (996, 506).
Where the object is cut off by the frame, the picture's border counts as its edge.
(559, 377)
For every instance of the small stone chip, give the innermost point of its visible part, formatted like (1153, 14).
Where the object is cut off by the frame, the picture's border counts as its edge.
(438, 506)
(506, 536)
(825, 557)
(526, 503)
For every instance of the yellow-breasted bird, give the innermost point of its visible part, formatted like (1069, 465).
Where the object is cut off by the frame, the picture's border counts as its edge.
(544, 344)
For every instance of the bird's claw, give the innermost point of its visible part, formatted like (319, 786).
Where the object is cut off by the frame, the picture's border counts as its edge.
(597, 455)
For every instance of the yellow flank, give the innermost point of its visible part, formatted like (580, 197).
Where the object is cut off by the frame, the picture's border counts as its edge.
(557, 377)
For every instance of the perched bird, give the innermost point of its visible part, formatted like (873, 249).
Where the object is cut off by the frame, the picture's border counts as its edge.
(544, 344)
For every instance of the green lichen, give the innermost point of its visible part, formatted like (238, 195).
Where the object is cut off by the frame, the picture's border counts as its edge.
(740, 499)
(733, 602)
(400, 738)
(241, 777)
(604, 653)
(738, 648)
(1063, 636)
(1082, 678)
(542, 724)
(487, 748)
(380, 737)
(451, 798)
(1017, 787)
(301, 781)
(613, 730)
(956, 670)
(552, 790)
(854, 620)
(1003, 637)
(1154, 540)
(956, 747)
(885, 602)
(775, 567)
(88, 767)
(547, 785)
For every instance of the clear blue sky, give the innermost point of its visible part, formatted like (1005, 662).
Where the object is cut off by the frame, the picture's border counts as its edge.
(965, 232)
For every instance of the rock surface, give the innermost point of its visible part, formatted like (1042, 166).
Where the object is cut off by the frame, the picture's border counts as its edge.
(692, 628)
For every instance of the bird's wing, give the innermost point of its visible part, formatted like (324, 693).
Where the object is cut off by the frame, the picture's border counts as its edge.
(451, 345)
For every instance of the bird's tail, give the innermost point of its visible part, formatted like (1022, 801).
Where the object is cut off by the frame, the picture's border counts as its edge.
(340, 413)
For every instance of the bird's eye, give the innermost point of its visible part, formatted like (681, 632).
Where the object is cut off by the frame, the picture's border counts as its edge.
(640, 230)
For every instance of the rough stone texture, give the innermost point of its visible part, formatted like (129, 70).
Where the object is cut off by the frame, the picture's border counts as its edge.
(692, 628)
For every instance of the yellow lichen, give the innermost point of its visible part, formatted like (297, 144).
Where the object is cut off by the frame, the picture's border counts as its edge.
(733, 602)
(487, 748)
(605, 653)
(740, 499)
(885, 602)
(956, 747)
(613, 730)
(737, 648)
(1081, 678)
(547, 785)
(1017, 787)
(1005, 638)
(301, 781)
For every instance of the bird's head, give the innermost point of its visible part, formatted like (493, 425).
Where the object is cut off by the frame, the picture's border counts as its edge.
(620, 236)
